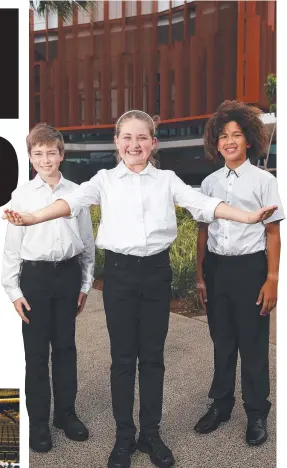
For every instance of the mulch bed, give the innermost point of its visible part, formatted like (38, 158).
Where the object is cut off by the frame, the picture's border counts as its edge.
(184, 307)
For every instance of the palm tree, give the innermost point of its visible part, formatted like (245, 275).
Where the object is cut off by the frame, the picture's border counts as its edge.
(63, 9)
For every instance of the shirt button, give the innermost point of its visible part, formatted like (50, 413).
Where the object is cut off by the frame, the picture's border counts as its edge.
(116, 264)
(229, 185)
(226, 237)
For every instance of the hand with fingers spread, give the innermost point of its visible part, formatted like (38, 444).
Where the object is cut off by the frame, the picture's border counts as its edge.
(262, 214)
(268, 296)
(19, 305)
(19, 219)
(201, 292)
(81, 302)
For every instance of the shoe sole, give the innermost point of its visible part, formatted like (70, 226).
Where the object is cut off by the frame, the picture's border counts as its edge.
(82, 438)
(45, 450)
(110, 465)
(254, 444)
(207, 431)
(145, 449)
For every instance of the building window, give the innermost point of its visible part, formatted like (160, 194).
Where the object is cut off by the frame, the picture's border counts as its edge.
(37, 108)
(39, 51)
(37, 78)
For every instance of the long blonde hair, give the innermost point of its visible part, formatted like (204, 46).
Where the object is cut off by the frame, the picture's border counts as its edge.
(151, 123)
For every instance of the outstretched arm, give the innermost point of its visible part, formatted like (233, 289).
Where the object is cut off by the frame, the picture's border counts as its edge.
(204, 208)
(57, 209)
(225, 211)
(87, 194)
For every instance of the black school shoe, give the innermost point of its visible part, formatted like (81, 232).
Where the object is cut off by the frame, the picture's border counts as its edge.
(120, 456)
(256, 433)
(72, 426)
(160, 455)
(40, 438)
(211, 420)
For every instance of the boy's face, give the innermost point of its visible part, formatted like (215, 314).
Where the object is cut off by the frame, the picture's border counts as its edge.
(232, 143)
(46, 160)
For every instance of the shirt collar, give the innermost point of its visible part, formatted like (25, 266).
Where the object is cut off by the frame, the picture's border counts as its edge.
(38, 182)
(239, 170)
(122, 170)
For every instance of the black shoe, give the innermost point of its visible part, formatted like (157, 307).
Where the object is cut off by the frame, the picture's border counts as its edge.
(211, 420)
(72, 426)
(120, 456)
(256, 433)
(160, 455)
(40, 438)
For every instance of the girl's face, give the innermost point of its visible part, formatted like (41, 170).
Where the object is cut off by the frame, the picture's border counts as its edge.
(135, 143)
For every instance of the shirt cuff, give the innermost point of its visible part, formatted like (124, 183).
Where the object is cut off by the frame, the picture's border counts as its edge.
(209, 212)
(15, 294)
(85, 288)
(73, 204)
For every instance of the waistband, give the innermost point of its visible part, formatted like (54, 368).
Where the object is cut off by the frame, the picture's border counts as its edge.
(49, 264)
(109, 254)
(239, 258)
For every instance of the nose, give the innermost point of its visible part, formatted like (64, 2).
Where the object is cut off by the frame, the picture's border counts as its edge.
(229, 139)
(134, 142)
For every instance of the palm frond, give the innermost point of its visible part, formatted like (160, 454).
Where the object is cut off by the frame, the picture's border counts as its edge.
(63, 9)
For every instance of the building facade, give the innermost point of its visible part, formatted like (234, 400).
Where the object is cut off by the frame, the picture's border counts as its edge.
(174, 59)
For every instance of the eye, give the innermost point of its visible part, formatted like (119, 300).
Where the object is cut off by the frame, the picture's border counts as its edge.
(127, 137)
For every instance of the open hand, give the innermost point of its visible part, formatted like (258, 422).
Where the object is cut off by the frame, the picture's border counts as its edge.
(268, 296)
(19, 219)
(81, 302)
(201, 292)
(19, 305)
(260, 215)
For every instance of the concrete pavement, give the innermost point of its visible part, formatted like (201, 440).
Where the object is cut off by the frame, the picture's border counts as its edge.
(188, 375)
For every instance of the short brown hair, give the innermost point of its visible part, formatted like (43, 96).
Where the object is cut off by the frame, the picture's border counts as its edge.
(248, 119)
(44, 134)
(151, 123)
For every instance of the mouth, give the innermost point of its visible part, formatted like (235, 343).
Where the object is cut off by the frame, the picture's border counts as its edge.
(134, 153)
(230, 150)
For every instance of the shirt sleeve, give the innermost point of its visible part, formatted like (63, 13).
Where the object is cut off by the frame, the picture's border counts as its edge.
(200, 206)
(12, 261)
(87, 257)
(87, 194)
(270, 196)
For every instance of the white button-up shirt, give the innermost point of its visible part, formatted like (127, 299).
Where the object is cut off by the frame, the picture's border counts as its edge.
(54, 240)
(248, 188)
(138, 209)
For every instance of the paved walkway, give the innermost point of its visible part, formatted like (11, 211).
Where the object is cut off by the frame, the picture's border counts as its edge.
(188, 374)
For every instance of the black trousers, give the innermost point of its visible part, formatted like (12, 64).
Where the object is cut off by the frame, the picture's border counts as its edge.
(136, 294)
(52, 293)
(233, 284)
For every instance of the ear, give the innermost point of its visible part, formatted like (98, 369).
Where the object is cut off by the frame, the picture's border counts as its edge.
(248, 146)
(62, 155)
(154, 142)
(116, 140)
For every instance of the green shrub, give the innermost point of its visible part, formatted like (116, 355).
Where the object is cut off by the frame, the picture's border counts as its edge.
(100, 255)
(182, 254)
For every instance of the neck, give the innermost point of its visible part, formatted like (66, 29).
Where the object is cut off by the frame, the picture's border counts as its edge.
(235, 164)
(52, 180)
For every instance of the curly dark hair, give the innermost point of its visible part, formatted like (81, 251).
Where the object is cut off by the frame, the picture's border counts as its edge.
(248, 119)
